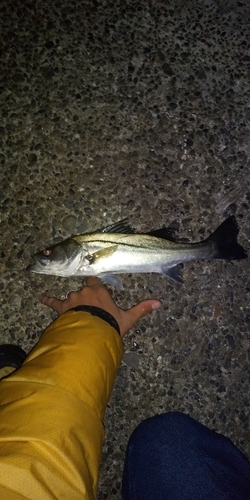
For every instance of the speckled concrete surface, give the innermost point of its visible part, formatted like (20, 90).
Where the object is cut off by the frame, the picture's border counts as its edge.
(141, 109)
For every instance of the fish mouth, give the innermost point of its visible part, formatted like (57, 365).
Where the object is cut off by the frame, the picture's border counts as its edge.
(32, 268)
(38, 265)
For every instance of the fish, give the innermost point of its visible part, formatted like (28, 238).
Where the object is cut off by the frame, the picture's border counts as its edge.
(116, 249)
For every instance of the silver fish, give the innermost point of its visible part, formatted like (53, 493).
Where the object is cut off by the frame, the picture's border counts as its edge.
(115, 249)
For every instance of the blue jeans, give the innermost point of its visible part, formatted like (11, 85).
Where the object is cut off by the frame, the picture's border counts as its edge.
(173, 457)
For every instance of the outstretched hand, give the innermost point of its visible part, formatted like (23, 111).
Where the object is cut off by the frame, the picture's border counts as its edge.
(96, 294)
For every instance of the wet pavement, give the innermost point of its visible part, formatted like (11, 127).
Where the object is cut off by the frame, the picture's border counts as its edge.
(136, 109)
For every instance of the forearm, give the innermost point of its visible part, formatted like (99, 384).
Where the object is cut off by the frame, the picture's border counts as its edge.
(52, 410)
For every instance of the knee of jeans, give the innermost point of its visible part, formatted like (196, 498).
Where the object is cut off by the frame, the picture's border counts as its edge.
(176, 418)
(154, 426)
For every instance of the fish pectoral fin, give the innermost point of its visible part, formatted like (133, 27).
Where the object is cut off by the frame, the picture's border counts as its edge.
(111, 280)
(103, 254)
(174, 273)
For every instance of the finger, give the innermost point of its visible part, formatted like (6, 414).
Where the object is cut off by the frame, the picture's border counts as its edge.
(142, 309)
(94, 281)
(51, 302)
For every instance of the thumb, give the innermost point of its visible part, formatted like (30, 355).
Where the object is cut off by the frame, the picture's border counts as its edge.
(143, 308)
(137, 312)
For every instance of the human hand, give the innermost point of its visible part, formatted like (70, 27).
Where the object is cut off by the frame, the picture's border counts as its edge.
(96, 294)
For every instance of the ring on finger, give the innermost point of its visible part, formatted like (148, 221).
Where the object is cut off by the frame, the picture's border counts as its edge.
(67, 294)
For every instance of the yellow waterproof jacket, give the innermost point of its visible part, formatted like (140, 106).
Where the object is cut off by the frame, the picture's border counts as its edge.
(52, 410)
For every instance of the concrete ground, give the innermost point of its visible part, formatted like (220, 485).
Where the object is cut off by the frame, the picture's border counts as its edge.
(139, 109)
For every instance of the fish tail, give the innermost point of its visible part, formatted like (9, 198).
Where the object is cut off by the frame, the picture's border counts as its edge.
(224, 241)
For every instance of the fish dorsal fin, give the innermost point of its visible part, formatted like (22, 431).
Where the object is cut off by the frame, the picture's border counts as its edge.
(102, 254)
(121, 226)
(166, 233)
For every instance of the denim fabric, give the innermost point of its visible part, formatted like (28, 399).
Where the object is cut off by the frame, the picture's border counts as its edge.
(173, 457)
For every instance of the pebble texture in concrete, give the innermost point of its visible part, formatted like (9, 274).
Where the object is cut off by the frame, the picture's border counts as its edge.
(133, 108)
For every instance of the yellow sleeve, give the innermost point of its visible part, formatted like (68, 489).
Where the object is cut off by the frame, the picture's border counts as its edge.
(52, 410)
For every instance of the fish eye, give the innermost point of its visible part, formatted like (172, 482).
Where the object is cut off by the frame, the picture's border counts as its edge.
(47, 252)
